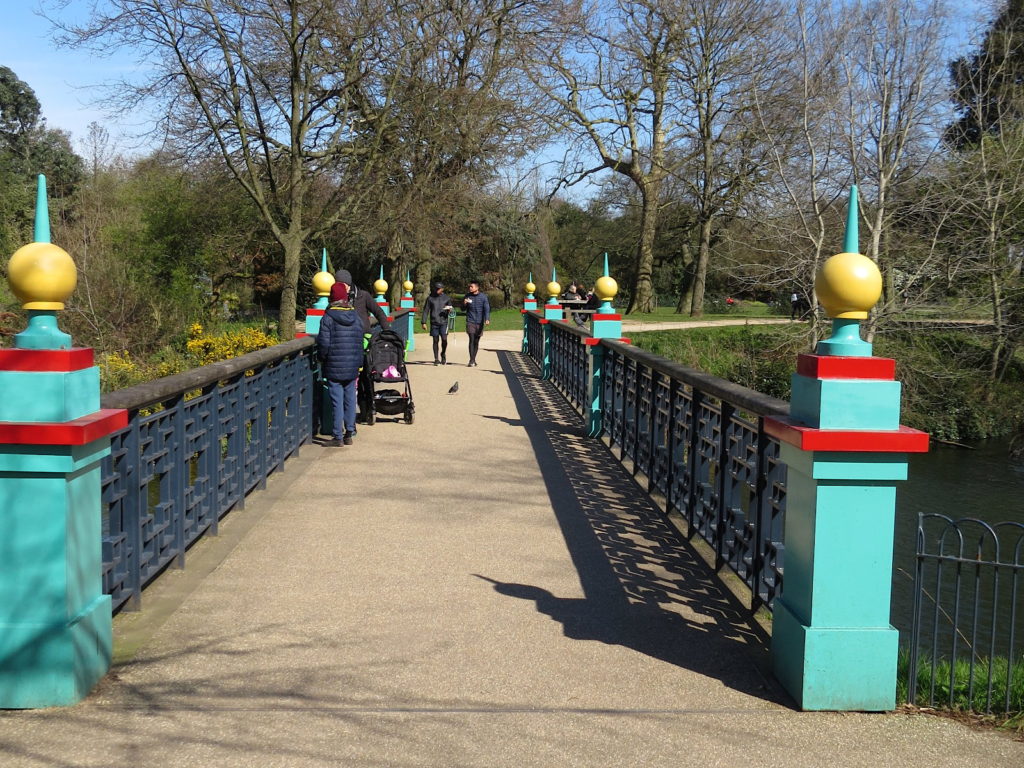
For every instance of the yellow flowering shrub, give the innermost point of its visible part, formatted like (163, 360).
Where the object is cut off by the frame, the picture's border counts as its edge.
(203, 349)
(118, 370)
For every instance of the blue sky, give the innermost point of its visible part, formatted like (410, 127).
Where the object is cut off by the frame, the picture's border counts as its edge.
(63, 80)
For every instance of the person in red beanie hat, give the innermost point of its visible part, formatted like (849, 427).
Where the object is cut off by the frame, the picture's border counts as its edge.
(340, 348)
(339, 292)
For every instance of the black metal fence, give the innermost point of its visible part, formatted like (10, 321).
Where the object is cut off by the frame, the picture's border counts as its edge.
(195, 445)
(966, 648)
(698, 440)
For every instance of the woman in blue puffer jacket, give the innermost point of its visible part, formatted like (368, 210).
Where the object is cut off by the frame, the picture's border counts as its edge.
(340, 348)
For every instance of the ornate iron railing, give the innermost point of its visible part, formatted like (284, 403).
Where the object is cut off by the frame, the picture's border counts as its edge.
(700, 443)
(569, 370)
(966, 648)
(195, 445)
(698, 440)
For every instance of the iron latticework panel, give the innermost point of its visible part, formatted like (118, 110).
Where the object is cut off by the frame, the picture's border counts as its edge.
(190, 454)
(706, 455)
(569, 367)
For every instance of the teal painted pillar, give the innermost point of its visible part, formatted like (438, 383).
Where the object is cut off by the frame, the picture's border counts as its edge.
(380, 285)
(55, 622)
(529, 305)
(832, 645)
(408, 302)
(606, 323)
(322, 282)
(553, 310)
(545, 368)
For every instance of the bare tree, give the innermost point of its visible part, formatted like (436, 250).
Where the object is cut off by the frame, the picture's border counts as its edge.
(461, 108)
(801, 124)
(609, 79)
(895, 100)
(729, 64)
(282, 90)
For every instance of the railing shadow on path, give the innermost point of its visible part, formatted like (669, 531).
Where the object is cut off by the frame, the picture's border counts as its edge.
(645, 586)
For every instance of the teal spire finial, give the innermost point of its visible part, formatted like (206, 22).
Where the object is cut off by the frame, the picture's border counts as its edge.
(531, 277)
(408, 275)
(851, 244)
(323, 262)
(381, 272)
(42, 227)
(554, 275)
(606, 264)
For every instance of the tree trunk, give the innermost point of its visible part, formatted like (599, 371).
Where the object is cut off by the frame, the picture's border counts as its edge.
(999, 326)
(642, 299)
(422, 274)
(686, 282)
(289, 289)
(701, 271)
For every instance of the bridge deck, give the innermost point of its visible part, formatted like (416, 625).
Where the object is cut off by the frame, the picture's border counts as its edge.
(485, 587)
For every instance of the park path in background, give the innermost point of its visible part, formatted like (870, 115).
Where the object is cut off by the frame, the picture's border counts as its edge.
(484, 587)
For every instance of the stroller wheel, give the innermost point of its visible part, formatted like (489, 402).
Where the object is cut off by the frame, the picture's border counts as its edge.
(408, 416)
(370, 418)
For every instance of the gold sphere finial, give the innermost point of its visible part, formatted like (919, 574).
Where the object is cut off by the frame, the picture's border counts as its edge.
(42, 276)
(606, 288)
(380, 285)
(530, 287)
(848, 286)
(554, 289)
(322, 282)
(407, 285)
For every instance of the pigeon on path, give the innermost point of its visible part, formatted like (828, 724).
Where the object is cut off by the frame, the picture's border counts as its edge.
(454, 388)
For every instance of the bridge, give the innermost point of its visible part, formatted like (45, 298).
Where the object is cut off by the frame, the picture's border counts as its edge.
(488, 586)
(495, 584)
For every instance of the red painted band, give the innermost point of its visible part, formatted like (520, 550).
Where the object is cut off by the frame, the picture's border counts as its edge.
(591, 342)
(46, 360)
(315, 312)
(76, 432)
(301, 335)
(840, 367)
(902, 440)
(543, 321)
(606, 317)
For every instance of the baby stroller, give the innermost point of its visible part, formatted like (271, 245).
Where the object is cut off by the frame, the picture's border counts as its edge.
(384, 364)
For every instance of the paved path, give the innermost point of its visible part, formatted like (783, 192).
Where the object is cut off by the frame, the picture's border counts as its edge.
(484, 587)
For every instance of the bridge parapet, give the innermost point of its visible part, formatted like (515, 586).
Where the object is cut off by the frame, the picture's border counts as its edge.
(726, 459)
(56, 637)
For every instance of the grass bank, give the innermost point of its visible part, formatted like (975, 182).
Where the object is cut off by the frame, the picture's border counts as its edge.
(946, 389)
(962, 688)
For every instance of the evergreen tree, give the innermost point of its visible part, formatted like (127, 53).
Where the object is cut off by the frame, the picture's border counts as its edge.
(988, 84)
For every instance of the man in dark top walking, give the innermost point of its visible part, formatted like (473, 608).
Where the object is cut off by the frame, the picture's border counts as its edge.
(436, 310)
(478, 314)
(362, 302)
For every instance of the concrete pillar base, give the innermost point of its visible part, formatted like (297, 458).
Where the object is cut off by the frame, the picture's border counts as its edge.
(55, 665)
(834, 668)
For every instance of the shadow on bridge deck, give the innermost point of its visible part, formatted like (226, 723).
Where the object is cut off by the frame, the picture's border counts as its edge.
(485, 587)
(644, 585)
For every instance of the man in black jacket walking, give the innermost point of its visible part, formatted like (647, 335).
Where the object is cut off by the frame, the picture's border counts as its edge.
(478, 314)
(436, 311)
(362, 302)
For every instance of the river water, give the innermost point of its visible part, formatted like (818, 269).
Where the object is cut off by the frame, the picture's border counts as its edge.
(982, 483)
